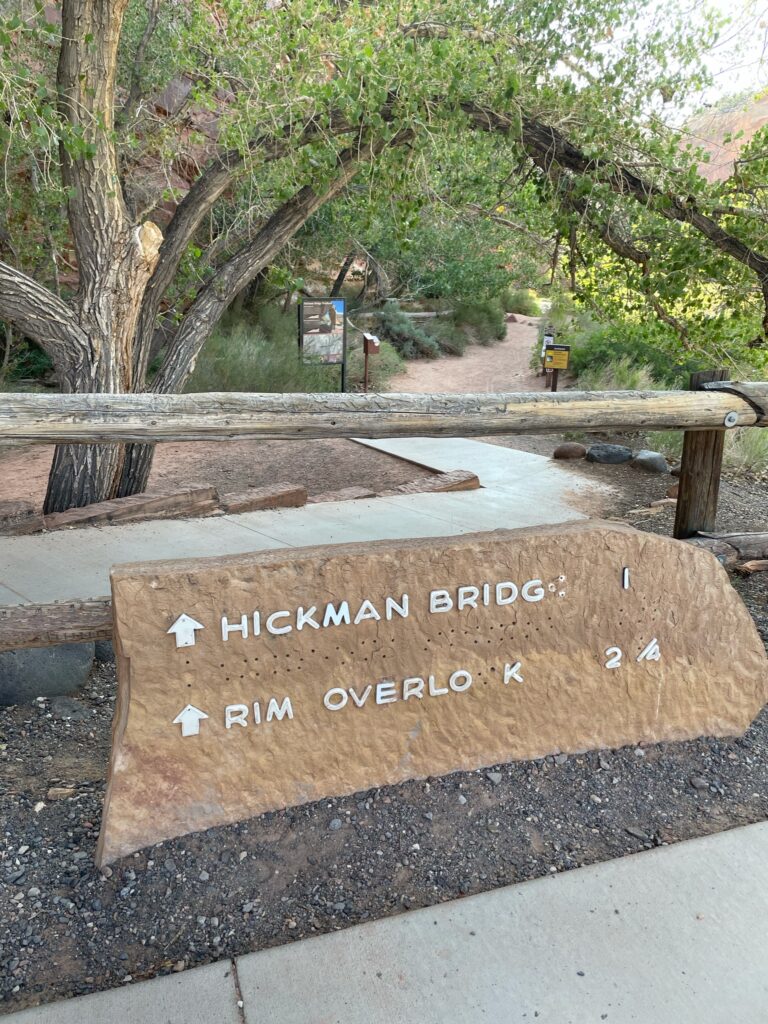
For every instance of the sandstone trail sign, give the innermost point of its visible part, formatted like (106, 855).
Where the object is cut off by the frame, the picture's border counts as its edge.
(257, 682)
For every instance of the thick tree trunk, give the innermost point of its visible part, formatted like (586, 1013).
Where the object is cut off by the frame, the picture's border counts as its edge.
(115, 258)
(137, 465)
(341, 277)
(82, 474)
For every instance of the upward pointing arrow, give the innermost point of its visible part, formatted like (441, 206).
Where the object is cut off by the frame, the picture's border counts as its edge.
(184, 628)
(189, 719)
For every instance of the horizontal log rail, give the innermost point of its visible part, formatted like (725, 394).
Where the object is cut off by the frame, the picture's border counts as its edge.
(85, 419)
(44, 625)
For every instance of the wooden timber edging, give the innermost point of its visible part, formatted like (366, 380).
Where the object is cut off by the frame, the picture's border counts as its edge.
(103, 418)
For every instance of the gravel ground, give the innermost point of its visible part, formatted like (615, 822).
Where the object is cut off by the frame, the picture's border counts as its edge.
(67, 928)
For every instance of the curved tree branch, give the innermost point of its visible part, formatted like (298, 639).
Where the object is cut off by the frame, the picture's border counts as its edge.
(548, 147)
(214, 297)
(42, 316)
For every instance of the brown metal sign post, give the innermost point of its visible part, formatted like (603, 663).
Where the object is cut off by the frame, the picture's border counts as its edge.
(371, 346)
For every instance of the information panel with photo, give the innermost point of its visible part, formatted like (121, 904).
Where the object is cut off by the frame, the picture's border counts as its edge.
(322, 334)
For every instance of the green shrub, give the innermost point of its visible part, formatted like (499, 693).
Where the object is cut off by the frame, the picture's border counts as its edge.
(618, 375)
(451, 338)
(381, 368)
(242, 357)
(408, 338)
(746, 449)
(668, 442)
(521, 300)
(600, 345)
(483, 320)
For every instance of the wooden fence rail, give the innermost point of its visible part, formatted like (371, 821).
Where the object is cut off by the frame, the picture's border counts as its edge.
(43, 419)
(83, 419)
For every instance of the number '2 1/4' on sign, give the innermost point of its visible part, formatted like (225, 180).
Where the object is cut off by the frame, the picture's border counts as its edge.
(651, 652)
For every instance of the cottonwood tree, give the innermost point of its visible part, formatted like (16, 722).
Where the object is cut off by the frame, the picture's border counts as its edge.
(264, 113)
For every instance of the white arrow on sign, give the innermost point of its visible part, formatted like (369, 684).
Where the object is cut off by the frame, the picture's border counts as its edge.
(189, 719)
(184, 628)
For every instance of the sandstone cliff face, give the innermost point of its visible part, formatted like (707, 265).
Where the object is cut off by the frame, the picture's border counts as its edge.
(709, 129)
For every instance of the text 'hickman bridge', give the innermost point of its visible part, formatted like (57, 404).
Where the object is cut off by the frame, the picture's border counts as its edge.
(342, 613)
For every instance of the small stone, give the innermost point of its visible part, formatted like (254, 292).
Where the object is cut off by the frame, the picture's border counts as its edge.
(609, 454)
(242, 855)
(595, 798)
(462, 799)
(580, 973)
(603, 761)
(698, 782)
(106, 871)
(494, 777)
(651, 462)
(639, 752)
(39, 806)
(335, 824)
(34, 892)
(170, 865)
(428, 815)
(203, 876)
(338, 907)
(637, 833)
(561, 758)
(179, 966)
(569, 450)
(22, 850)
(60, 792)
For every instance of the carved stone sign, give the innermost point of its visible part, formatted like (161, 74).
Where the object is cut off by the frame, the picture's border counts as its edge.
(257, 682)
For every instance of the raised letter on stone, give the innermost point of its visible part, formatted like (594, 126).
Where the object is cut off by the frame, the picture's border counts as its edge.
(440, 601)
(236, 714)
(532, 591)
(513, 672)
(279, 711)
(240, 627)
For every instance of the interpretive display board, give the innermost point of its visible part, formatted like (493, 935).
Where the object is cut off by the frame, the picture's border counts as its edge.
(322, 331)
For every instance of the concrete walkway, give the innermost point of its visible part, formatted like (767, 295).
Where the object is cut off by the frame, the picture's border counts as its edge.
(518, 489)
(674, 936)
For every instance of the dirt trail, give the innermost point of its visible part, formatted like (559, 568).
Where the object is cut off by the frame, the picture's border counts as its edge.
(501, 367)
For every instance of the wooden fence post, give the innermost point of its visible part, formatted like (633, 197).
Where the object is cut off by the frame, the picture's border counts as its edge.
(699, 471)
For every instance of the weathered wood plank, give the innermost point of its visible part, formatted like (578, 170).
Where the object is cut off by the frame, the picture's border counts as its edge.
(43, 625)
(274, 496)
(453, 480)
(747, 545)
(44, 419)
(196, 501)
(754, 565)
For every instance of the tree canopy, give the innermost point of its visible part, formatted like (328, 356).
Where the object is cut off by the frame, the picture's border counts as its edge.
(158, 156)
